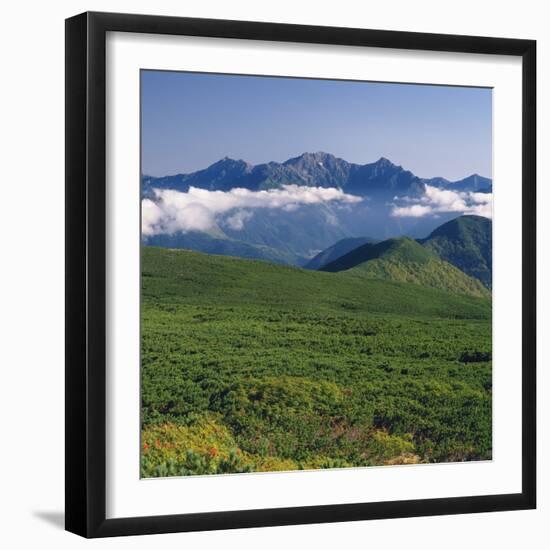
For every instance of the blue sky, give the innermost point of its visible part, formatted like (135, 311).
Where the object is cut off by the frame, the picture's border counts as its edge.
(190, 120)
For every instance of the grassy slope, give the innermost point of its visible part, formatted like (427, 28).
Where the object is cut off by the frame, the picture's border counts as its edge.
(252, 366)
(404, 260)
(174, 276)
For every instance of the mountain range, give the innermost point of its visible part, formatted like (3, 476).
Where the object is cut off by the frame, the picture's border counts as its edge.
(313, 234)
(378, 179)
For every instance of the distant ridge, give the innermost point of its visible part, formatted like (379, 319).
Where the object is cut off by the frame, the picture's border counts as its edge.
(474, 183)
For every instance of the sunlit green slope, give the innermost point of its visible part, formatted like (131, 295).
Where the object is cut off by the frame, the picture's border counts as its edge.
(405, 260)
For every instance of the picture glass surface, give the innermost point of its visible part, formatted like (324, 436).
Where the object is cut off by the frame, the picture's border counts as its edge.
(316, 274)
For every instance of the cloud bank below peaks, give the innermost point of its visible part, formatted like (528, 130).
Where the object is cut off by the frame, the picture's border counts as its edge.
(437, 201)
(200, 210)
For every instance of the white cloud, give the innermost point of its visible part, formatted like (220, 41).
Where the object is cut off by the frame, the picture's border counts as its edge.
(331, 219)
(150, 216)
(201, 210)
(435, 201)
(238, 219)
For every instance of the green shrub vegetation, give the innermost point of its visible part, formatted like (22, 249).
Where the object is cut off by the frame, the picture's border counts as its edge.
(252, 366)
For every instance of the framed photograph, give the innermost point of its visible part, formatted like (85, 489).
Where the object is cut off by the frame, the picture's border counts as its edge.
(300, 274)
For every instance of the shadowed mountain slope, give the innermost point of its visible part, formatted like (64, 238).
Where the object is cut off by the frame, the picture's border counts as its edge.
(467, 243)
(336, 251)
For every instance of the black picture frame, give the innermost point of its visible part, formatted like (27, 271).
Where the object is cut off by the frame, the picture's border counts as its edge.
(86, 284)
